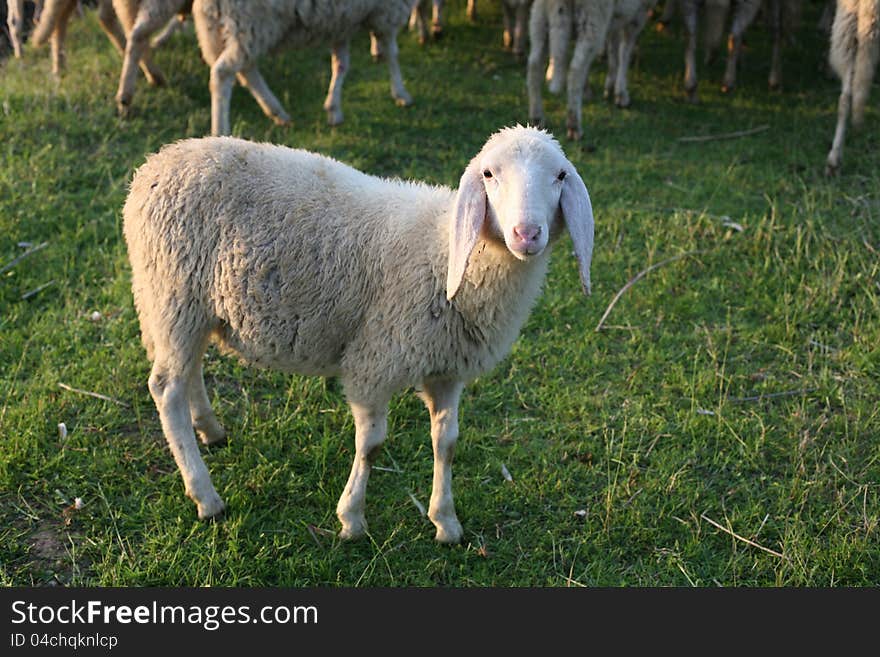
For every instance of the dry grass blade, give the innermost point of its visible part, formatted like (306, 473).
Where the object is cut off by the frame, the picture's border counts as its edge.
(635, 279)
(726, 135)
(741, 538)
(419, 505)
(24, 255)
(96, 395)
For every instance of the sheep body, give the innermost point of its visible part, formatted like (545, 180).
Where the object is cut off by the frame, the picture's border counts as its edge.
(855, 45)
(233, 35)
(300, 263)
(551, 24)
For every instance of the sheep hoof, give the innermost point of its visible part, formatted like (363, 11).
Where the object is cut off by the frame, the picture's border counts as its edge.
(437, 32)
(692, 96)
(622, 100)
(211, 434)
(281, 120)
(832, 169)
(353, 529)
(403, 101)
(727, 88)
(774, 84)
(334, 117)
(211, 508)
(123, 108)
(156, 79)
(449, 533)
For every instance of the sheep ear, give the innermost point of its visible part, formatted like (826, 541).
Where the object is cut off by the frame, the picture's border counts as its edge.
(464, 230)
(578, 214)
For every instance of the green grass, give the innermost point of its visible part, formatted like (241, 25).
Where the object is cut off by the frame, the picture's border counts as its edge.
(738, 384)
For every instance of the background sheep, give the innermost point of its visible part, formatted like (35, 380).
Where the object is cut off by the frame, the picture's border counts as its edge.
(592, 20)
(855, 42)
(233, 35)
(298, 262)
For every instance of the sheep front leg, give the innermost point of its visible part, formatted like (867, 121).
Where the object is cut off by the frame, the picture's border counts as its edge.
(441, 398)
(388, 46)
(339, 63)
(59, 34)
(169, 391)
(371, 428)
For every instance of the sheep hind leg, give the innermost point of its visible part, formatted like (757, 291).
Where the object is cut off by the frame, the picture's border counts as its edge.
(371, 428)
(388, 45)
(585, 51)
(251, 80)
(109, 22)
(169, 383)
(59, 34)
(441, 399)
(204, 421)
(339, 62)
(745, 14)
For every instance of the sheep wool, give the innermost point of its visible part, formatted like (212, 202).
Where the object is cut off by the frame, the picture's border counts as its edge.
(297, 262)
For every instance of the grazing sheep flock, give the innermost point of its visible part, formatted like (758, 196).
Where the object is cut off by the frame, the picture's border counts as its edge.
(297, 262)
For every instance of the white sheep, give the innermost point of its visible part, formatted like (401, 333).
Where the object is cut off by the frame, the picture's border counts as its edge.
(297, 262)
(592, 22)
(234, 34)
(855, 44)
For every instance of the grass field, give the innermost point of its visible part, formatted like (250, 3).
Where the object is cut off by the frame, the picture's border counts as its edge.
(721, 429)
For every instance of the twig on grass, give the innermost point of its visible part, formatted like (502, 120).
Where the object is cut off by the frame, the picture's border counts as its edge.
(635, 279)
(726, 135)
(96, 395)
(742, 538)
(36, 290)
(771, 395)
(24, 255)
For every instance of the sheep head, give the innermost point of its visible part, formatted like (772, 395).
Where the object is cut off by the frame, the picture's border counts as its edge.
(517, 188)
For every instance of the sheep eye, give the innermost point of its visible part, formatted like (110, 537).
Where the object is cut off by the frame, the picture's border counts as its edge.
(561, 176)
(487, 174)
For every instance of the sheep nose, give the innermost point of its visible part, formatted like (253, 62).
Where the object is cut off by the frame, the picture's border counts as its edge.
(526, 233)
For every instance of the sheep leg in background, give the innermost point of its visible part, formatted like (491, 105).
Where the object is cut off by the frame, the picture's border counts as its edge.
(109, 22)
(627, 37)
(138, 29)
(441, 399)
(418, 20)
(613, 47)
(472, 10)
(538, 25)
(251, 80)
(169, 388)
(339, 63)
(203, 419)
(689, 10)
(559, 29)
(56, 42)
(388, 46)
(15, 23)
(223, 72)
(774, 81)
(591, 34)
(437, 19)
(520, 27)
(168, 31)
(745, 13)
(371, 428)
